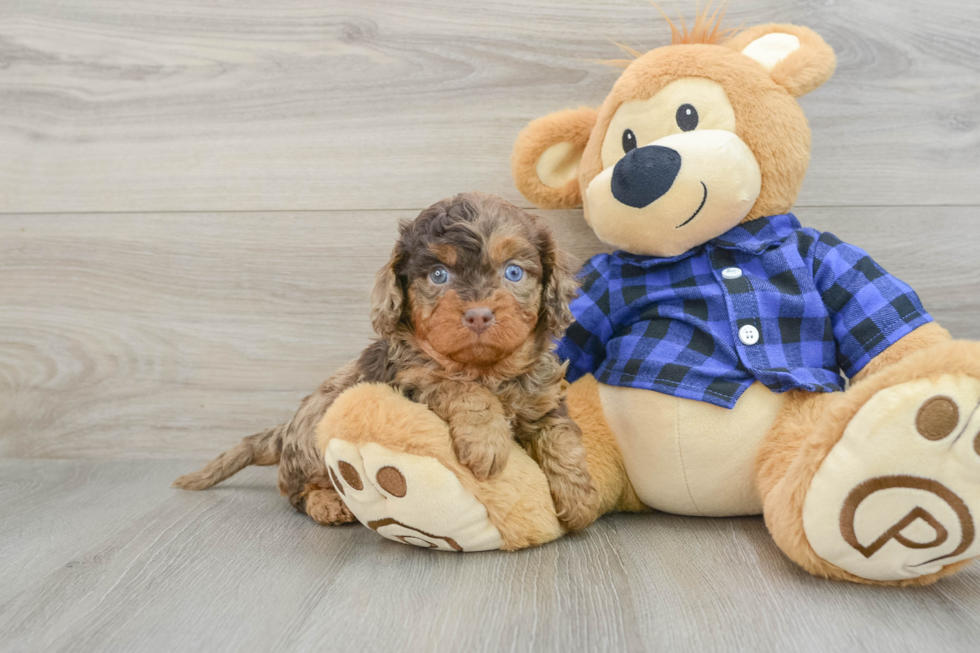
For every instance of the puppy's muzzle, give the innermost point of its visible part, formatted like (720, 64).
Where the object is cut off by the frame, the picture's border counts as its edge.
(478, 320)
(644, 175)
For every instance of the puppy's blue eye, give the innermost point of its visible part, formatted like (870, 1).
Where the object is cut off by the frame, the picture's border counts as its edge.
(514, 272)
(439, 276)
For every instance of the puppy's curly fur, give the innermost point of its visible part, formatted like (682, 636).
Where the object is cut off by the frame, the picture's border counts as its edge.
(466, 312)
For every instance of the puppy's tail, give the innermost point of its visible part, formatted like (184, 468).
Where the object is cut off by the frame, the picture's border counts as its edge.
(260, 449)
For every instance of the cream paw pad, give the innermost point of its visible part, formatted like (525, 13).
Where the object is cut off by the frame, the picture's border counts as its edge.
(409, 499)
(898, 496)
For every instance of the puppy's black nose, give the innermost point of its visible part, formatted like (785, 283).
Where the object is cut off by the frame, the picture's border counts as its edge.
(478, 320)
(645, 174)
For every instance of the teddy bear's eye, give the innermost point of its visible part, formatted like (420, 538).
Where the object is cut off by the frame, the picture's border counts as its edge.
(687, 117)
(629, 140)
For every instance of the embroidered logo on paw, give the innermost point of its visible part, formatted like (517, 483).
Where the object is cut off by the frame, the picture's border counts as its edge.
(895, 497)
(395, 530)
(897, 531)
(409, 499)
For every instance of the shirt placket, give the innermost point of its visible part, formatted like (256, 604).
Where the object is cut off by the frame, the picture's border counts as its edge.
(743, 310)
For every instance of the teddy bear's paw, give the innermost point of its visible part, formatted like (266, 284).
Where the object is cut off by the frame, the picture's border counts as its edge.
(409, 499)
(897, 497)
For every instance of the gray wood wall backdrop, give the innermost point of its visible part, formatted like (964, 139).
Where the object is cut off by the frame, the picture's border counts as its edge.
(194, 197)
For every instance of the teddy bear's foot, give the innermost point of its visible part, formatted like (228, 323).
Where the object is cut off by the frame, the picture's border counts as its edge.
(898, 496)
(409, 499)
(392, 463)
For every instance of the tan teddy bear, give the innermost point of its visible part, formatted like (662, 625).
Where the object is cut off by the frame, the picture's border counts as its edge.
(708, 352)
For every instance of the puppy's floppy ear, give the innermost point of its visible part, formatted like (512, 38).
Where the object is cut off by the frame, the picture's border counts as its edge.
(796, 57)
(387, 299)
(546, 158)
(560, 285)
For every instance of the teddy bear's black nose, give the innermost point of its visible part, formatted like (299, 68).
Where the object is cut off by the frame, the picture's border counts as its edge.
(645, 174)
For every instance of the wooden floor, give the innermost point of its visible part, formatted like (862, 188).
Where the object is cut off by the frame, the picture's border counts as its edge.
(194, 197)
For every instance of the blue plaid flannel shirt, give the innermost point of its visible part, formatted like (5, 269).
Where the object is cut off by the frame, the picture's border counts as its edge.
(671, 324)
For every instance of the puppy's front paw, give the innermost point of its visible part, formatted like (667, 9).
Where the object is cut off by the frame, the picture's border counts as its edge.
(483, 448)
(576, 502)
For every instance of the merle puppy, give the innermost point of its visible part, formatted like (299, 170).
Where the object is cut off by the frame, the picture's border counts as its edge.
(466, 312)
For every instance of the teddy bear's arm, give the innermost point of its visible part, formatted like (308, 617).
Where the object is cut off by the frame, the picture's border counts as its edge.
(923, 337)
(870, 310)
(584, 342)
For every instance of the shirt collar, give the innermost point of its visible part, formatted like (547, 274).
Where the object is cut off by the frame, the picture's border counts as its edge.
(651, 261)
(756, 236)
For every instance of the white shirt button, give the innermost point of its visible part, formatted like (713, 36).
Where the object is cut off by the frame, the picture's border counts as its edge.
(731, 273)
(748, 334)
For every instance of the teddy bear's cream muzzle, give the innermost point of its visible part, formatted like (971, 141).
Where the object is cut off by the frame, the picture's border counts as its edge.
(675, 193)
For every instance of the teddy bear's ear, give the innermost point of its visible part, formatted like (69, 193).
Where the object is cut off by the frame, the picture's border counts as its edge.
(547, 155)
(796, 57)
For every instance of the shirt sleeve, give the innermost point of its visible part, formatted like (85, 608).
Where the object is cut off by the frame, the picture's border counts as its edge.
(584, 343)
(870, 310)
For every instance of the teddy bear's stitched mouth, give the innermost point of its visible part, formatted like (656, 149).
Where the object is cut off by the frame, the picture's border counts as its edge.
(703, 200)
